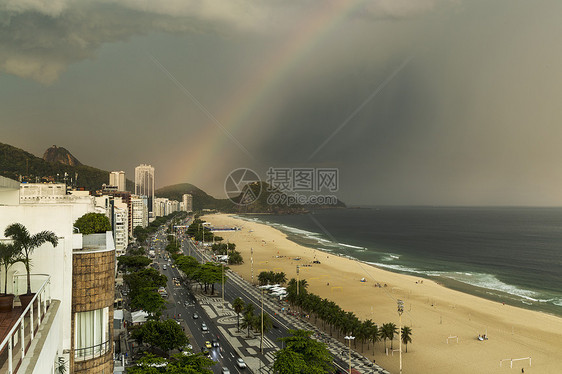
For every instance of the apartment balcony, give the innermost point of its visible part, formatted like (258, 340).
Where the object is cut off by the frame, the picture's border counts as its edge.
(24, 331)
(93, 242)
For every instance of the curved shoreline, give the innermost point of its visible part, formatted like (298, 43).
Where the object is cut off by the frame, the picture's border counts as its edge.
(434, 311)
(492, 294)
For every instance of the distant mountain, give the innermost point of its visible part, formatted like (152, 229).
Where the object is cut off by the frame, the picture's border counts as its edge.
(201, 200)
(60, 154)
(262, 204)
(16, 163)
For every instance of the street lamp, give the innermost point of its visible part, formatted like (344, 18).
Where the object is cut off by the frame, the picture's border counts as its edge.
(252, 260)
(222, 267)
(349, 339)
(261, 345)
(400, 311)
(298, 281)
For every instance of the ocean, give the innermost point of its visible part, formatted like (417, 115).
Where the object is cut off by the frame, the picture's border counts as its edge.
(511, 255)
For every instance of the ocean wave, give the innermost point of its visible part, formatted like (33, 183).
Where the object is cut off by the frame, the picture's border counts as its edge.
(487, 281)
(351, 246)
(490, 282)
(389, 257)
(400, 268)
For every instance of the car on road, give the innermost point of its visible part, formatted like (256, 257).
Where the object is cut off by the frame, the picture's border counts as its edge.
(215, 343)
(208, 344)
(195, 316)
(241, 364)
(204, 327)
(225, 370)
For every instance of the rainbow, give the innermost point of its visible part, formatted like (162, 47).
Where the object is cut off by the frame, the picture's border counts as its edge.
(274, 69)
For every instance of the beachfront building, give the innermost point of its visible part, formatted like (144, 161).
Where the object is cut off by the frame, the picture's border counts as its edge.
(117, 211)
(164, 206)
(139, 212)
(117, 179)
(144, 184)
(187, 201)
(73, 285)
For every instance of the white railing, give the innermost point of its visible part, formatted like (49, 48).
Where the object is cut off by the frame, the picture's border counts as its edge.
(41, 284)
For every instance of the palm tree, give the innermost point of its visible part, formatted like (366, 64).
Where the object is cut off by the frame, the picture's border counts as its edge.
(384, 333)
(267, 324)
(387, 332)
(406, 336)
(280, 278)
(27, 243)
(375, 335)
(8, 257)
(249, 309)
(238, 305)
(248, 322)
(393, 330)
(366, 332)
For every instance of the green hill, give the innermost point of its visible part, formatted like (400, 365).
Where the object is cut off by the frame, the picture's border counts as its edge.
(263, 204)
(16, 163)
(201, 200)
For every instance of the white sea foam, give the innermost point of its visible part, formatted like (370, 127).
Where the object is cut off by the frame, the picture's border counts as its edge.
(389, 257)
(482, 280)
(397, 267)
(351, 246)
(487, 281)
(490, 282)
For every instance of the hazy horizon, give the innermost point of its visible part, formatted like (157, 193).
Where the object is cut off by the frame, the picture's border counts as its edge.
(427, 102)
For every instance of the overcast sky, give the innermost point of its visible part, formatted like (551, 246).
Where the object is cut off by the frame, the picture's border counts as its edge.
(434, 102)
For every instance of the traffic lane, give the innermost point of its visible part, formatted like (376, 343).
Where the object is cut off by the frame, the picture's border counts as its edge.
(224, 355)
(233, 290)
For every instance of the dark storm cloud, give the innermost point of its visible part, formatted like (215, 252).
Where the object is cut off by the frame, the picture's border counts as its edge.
(39, 39)
(472, 118)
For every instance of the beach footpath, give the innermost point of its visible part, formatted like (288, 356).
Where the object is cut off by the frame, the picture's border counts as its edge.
(446, 324)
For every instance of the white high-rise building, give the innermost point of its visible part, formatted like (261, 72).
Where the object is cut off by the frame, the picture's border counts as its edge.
(144, 184)
(121, 227)
(118, 213)
(139, 210)
(164, 206)
(187, 202)
(65, 302)
(117, 179)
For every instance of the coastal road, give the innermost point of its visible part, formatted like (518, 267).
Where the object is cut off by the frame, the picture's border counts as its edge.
(183, 307)
(238, 287)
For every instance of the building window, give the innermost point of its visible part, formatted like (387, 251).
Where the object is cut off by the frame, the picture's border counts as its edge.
(91, 334)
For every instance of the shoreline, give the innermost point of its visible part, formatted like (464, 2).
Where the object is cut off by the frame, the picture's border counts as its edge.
(434, 311)
(491, 294)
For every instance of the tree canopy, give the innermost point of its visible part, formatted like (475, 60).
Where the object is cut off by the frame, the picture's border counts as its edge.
(166, 335)
(179, 364)
(93, 223)
(133, 263)
(302, 354)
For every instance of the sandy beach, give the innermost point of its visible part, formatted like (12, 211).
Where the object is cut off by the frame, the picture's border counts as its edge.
(432, 311)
